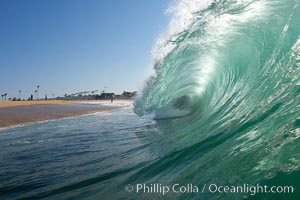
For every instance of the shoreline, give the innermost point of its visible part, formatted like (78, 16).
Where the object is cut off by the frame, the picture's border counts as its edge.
(7, 104)
(41, 121)
(15, 114)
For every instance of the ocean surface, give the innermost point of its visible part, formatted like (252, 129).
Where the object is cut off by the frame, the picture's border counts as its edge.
(86, 157)
(96, 156)
(222, 108)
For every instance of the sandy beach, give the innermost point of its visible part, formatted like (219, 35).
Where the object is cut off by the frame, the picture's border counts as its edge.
(7, 104)
(23, 112)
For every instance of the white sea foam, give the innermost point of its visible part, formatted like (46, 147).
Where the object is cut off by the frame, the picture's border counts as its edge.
(118, 103)
(182, 15)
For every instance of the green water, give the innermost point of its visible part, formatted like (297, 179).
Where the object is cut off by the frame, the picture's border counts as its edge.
(234, 70)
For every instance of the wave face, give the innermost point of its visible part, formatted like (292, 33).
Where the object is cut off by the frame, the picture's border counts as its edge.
(228, 57)
(227, 81)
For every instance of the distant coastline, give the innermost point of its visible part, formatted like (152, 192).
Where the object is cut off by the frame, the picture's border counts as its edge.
(17, 111)
(85, 95)
(14, 113)
(103, 96)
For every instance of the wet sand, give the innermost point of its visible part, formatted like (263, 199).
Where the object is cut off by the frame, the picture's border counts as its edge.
(18, 114)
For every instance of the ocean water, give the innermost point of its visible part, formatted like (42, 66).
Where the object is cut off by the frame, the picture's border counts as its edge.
(225, 92)
(74, 158)
(221, 109)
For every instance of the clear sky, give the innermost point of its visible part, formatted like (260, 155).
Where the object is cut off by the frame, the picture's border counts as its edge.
(68, 46)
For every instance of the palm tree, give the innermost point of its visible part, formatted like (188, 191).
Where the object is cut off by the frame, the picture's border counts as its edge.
(2, 95)
(94, 91)
(37, 94)
(5, 96)
(20, 94)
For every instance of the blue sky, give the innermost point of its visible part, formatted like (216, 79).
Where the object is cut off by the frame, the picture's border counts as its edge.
(68, 46)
